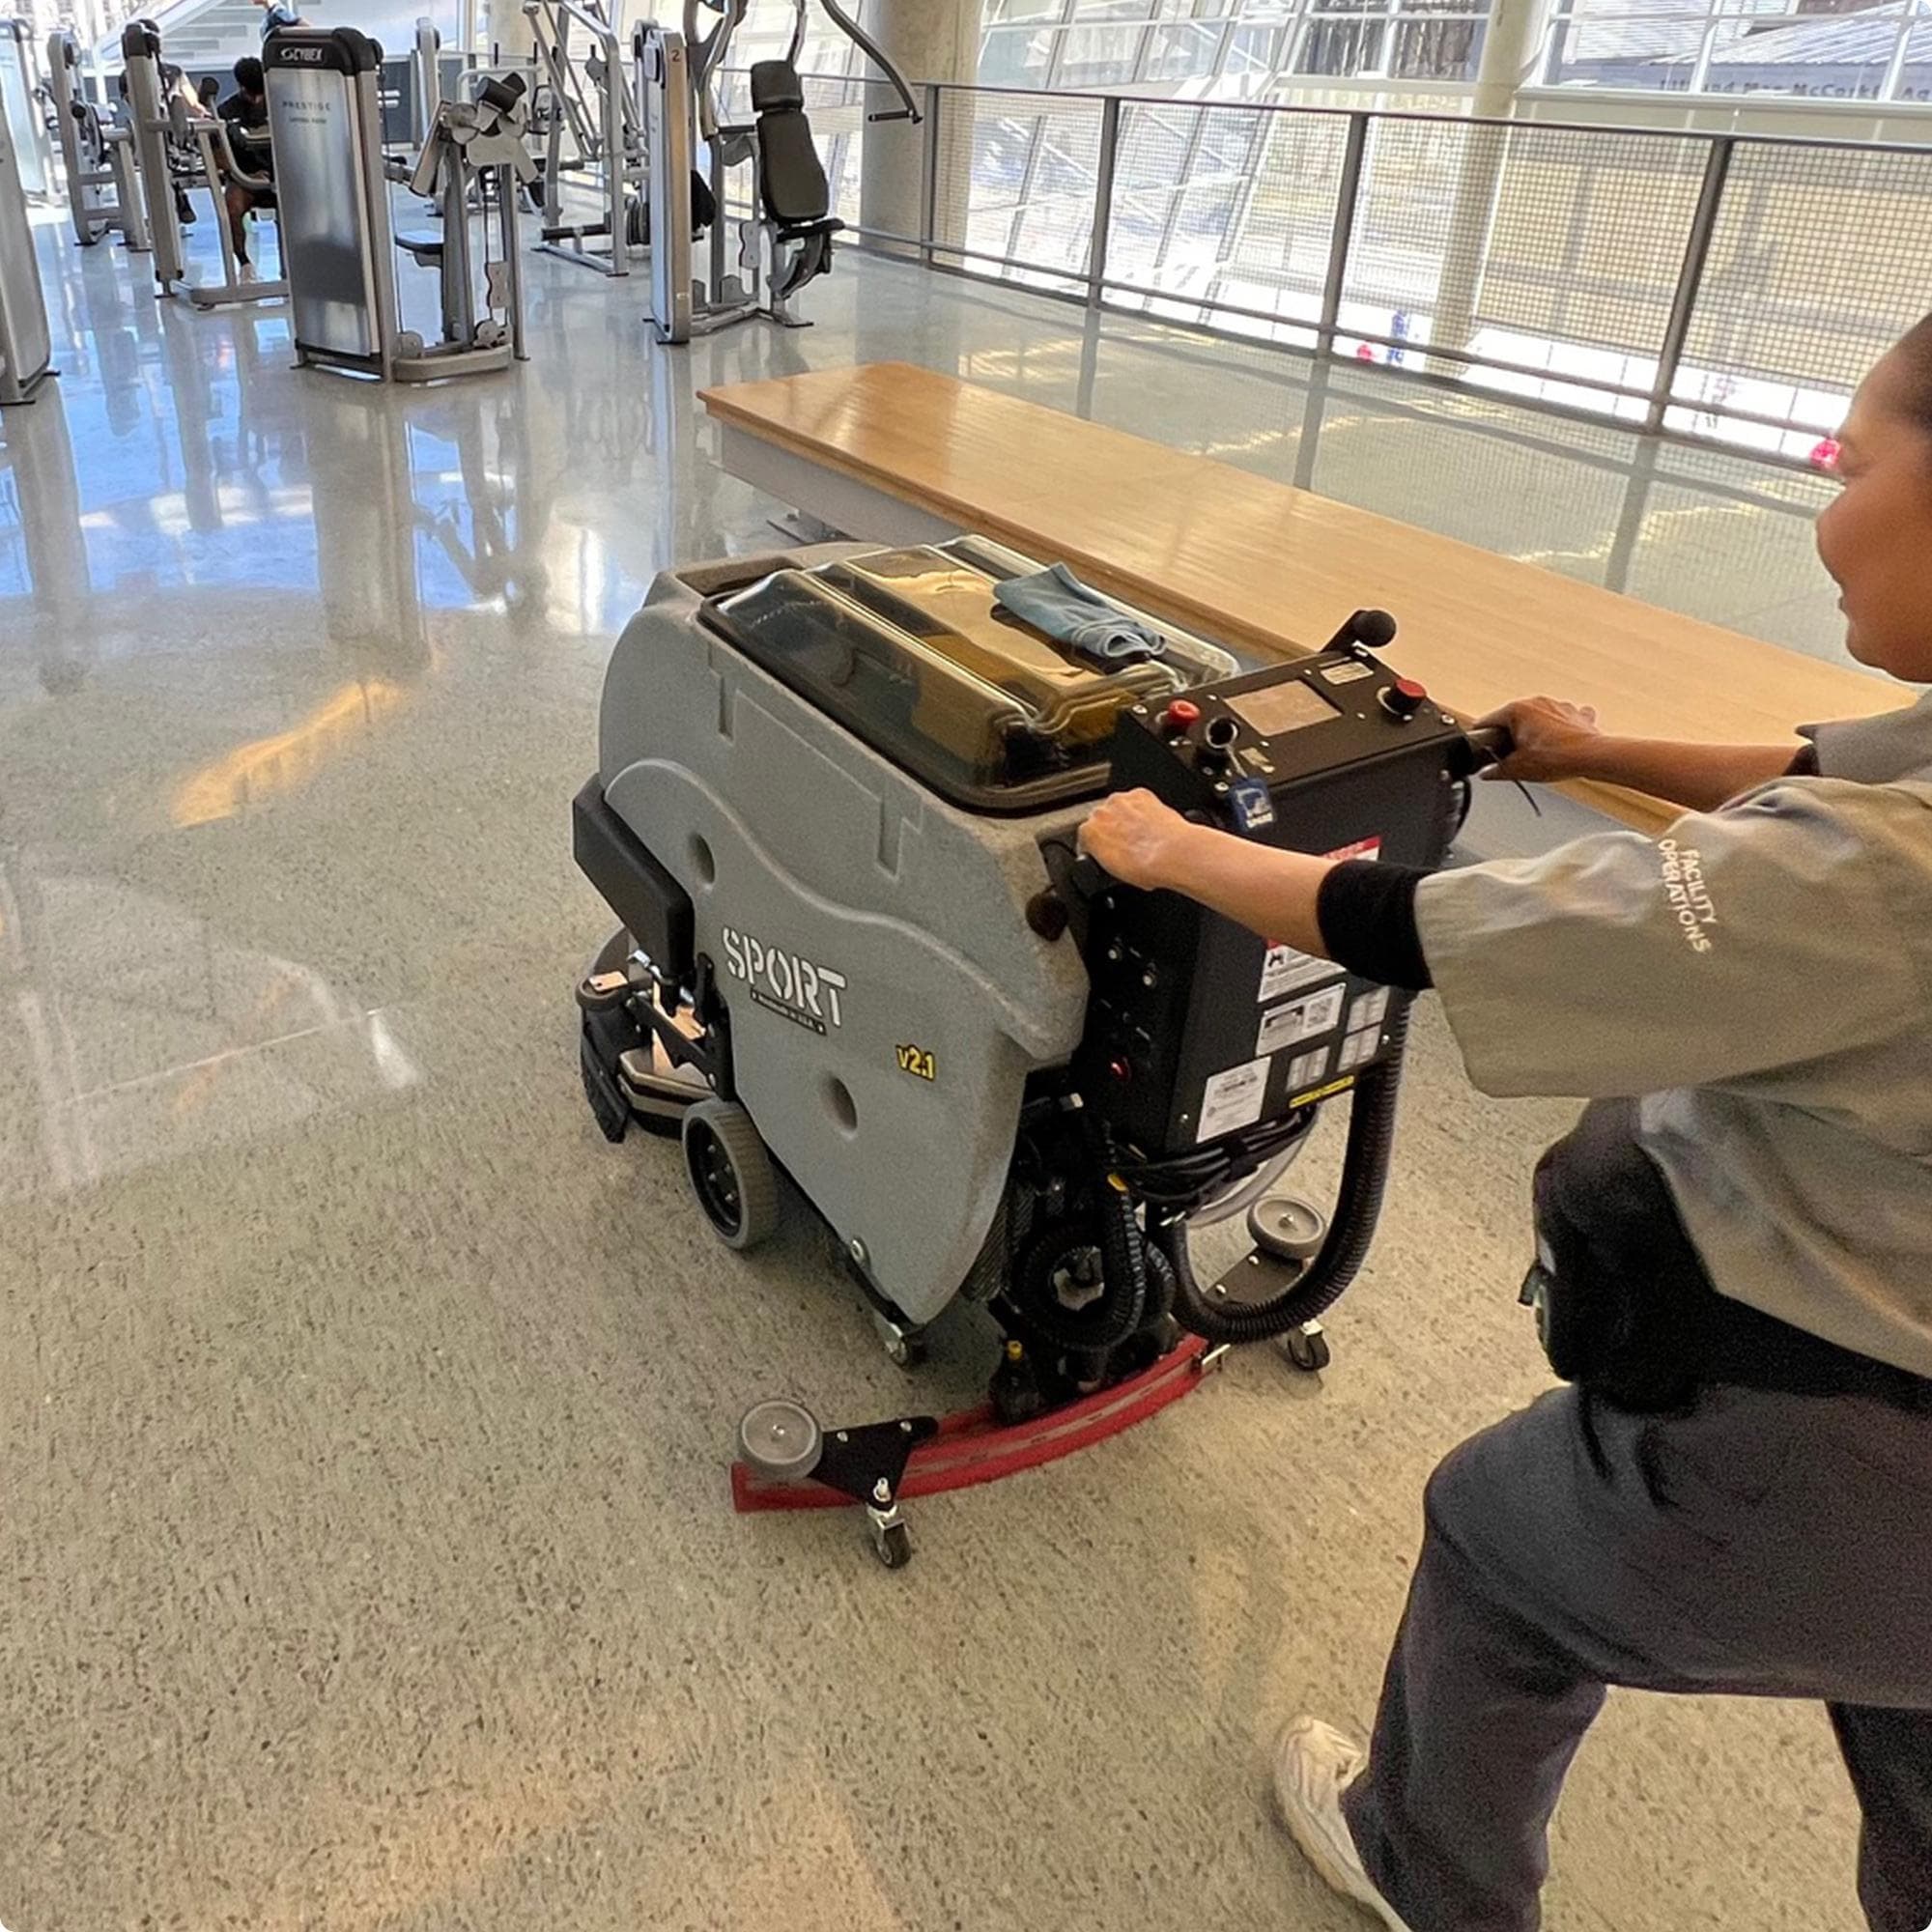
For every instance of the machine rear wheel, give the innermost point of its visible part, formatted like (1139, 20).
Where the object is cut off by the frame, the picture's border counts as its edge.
(731, 1172)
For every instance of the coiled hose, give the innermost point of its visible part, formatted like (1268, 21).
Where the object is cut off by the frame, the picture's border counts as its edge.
(1137, 1280)
(1364, 1175)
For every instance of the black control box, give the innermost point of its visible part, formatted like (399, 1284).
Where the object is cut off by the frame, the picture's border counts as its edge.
(1197, 1028)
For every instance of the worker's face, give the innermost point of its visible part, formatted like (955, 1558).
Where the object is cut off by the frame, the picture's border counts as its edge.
(1876, 537)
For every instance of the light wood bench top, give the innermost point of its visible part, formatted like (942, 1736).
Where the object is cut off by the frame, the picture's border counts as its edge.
(1276, 569)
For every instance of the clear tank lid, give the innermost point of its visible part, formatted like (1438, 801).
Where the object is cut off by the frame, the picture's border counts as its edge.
(909, 650)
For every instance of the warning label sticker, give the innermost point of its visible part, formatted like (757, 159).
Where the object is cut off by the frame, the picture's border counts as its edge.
(1358, 1049)
(1233, 1100)
(1284, 969)
(1369, 1009)
(1362, 848)
(1301, 1020)
(1307, 1068)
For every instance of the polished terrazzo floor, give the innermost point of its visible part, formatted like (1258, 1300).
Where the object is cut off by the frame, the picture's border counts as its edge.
(363, 1418)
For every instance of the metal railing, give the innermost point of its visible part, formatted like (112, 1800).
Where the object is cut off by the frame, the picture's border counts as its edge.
(1732, 287)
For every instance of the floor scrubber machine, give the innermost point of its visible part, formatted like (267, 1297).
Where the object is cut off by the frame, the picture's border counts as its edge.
(835, 811)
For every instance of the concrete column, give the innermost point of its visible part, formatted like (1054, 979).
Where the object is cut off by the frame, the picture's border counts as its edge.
(927, 41)
(1512, 53)
(1512, 49)
(504, 24)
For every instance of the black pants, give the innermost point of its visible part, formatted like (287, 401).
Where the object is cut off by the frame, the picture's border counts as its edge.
(1765, 1545)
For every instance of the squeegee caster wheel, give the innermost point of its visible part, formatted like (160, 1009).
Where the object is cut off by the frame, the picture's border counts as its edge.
(781, 1439)
(730, 1173)
(893, 1545)
(1290, 1230)
(1307, 1348)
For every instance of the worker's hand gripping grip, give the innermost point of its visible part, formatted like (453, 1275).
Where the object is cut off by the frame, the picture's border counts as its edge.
(1488, 744)
(1076, 880)
(1088, 876)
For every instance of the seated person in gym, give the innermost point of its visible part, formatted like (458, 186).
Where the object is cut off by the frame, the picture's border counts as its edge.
(247, 113)
(1734, 1248)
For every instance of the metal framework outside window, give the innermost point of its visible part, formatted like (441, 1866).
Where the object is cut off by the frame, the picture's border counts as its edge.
(1880, 51)
(1238, 47)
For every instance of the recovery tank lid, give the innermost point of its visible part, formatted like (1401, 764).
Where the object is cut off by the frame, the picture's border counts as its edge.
(909, 651)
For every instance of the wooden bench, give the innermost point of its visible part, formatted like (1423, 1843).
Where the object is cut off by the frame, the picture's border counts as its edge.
(1264, 565)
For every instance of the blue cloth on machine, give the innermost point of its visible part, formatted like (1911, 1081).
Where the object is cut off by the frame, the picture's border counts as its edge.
(1056, 602)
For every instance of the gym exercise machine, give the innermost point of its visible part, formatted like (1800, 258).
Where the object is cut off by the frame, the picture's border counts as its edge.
(152, 127)
(221, 165)
(338, 239)
(787, 241)
(178, 146)
(428, 75)
(26, 349)
(589, 115)
(104, 189)
(25, 102)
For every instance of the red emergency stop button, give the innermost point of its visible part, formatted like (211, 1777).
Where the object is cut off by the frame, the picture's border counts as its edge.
(1405, 697)
(1183, 715)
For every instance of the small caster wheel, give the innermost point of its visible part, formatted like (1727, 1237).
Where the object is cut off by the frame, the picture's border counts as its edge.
(893, 1545)
(730, 1173)
(1290, 1230)
(1307, 1348)
(781, 1439)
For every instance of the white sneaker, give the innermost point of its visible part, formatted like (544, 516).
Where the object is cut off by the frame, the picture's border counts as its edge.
(1314, 1764)
(245, 271)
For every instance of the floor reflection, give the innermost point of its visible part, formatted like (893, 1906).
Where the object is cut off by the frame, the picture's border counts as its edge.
(179, 1042)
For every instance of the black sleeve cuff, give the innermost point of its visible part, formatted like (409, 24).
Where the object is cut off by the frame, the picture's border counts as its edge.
(1366, 911)
(1804, 765)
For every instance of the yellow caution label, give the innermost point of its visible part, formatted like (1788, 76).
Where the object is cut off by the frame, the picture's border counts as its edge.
(1327, 1093)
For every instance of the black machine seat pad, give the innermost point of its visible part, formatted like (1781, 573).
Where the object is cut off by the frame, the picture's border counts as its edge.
(790, 175)
(424, 247)
(776, 87)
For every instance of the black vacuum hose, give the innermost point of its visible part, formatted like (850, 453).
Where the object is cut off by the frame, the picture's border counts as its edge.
(1123, 1258)
(1364, 1174)
(1129, 1272)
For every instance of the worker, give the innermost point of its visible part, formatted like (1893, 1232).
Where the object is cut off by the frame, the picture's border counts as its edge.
(1734, 1246)
(247, 113)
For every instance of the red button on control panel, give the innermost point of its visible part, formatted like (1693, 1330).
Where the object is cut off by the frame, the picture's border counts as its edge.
(1405, 697)
(1183, 715)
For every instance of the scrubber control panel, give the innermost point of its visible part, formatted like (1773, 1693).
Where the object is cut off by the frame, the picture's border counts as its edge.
(1197, 1028)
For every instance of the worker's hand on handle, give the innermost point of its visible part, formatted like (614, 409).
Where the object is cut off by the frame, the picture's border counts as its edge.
(1270, 889)
(1136, 838)
(1551, 740)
